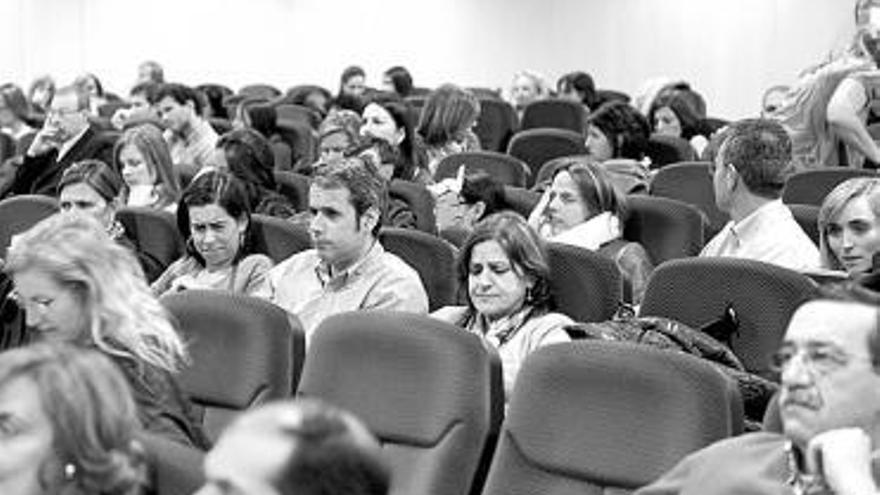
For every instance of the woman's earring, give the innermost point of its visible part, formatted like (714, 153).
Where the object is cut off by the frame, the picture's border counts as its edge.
(69, 471)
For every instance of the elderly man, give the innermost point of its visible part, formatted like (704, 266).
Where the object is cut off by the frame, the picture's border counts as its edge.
(748, 175)
(348, 269)
(301, 447)
(830, 410)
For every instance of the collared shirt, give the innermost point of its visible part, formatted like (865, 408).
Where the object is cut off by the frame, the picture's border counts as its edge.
(70, 143)
(303, 286)
(196, 148)
(769, 234)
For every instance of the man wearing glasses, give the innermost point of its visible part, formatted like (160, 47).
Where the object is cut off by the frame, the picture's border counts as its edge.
(829, 364)
(66, 138)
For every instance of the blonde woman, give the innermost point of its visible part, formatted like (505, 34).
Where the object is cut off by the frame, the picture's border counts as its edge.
(76, 285)
(849, 226)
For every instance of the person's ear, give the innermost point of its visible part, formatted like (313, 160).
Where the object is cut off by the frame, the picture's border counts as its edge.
(476, 210)
(399, 135)
(369, 219)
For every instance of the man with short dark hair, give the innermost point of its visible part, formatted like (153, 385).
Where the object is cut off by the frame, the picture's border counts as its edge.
(67, 137)
(829, 363)
(748, 175)
(301, 447)
(348, 269)
(191, 139)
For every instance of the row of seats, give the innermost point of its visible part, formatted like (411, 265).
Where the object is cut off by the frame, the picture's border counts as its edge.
(621, 414)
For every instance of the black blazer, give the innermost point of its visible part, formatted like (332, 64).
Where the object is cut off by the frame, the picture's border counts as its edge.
(41, 174)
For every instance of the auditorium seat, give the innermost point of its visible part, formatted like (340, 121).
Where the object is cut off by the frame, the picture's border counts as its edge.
(295, 187)
(19, 213)
(538, 146)
(298, 113)
(496, 124)
(697, 291)
(504, 169)
(668, 229)
(220, 125)
(419, 200)
(172, 468)
(664, 150)
(556, 113)
(279, 239)
(431, 392)
(153, 232)
(431, 256)
(807, 216)
(245, 351)
(811, 186)
(260, 90)
(585, 285)
(691, 182)
(607, 417)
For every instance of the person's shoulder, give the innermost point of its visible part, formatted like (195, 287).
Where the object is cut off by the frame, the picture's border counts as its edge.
(257, 260)
(296, 262)
(395, 264)
(450, 314)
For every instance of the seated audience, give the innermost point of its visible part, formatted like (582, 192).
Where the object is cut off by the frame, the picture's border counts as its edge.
(91, 85)
(93, 188)
(78, 286)
(297, 447)
(142, 157)
(748, 175)
(617, 137)
(352, 88)
(66, 138)
(387, 118)
(337, 134)
(582, 208)
(69, 423)
(503, 274)
(15, 117)
(527, 87)
(463, 201)
(675, 114)
(246, 154)
(242, 117)
(849, 228)
(140, 109)
(150, 72)
(214, 217)
(830, 414)
(311, 96)
(191, 139)
(41, 92)
(348, 269)
(446, 123)
(397, 80)
(579, 87)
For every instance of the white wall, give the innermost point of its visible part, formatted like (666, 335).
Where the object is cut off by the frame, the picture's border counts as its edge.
(731, 50)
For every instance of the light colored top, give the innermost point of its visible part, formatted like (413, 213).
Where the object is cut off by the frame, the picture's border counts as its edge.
(515, 336)
(247, 277)
(196, 148)
(769, 234)
(302, 285)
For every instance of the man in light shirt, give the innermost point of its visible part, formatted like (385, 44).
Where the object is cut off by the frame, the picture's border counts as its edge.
(748, 175)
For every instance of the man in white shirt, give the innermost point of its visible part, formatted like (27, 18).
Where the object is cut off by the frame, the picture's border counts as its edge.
(191, 139)
(748, 175)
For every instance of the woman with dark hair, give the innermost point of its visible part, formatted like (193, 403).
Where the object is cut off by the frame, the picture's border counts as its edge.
(579, 87)
(387, 118)
(94, 188)
(89, 84)
(311, 96)
(397, 80)
(15, 116)
(582, 208)
(69, 423)
(617, 137)
(503, 275)
(446, 123)
(352, 87)
(676, 113)
(214, 217)
(247, 155)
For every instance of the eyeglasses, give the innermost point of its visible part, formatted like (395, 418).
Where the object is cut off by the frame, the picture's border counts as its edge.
(822, 359)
